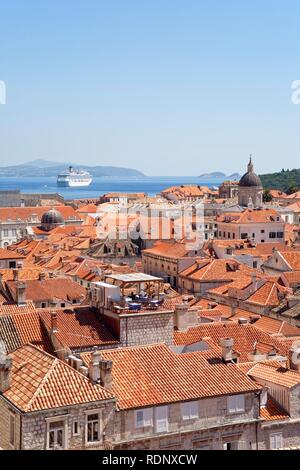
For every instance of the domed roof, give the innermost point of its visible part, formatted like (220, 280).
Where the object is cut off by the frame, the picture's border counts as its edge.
(250, 179)
(52, 217)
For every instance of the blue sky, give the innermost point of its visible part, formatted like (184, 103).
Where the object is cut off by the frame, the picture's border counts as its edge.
(167, 87)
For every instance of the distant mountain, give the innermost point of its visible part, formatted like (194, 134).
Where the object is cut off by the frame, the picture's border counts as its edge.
(220, 175)
(234, 176)
(214, 174)
(48, 169)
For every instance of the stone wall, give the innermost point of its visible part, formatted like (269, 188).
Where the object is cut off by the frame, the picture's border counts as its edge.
(35, 426)
(146, 328)
(211, 423)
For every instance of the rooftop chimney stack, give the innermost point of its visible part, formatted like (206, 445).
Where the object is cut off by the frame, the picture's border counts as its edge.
(21, 293)
(54, 322)
(94, 367)
(106, 373)
(15, 274)
(294, 358)
(227, 349)
(42, 276)
(5, 372)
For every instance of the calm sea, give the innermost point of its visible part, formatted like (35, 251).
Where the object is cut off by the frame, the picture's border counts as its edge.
(99, 186)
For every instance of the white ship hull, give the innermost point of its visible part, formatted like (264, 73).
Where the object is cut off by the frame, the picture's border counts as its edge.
(74, 183)
(74, 179)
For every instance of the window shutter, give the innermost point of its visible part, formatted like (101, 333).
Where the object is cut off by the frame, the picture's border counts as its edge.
(185, 411)
(278, 439)
(231, 404)
(148, 417)
(194, 412)
(161, 419)
(240, 403)
(139, 418)
(273, 442)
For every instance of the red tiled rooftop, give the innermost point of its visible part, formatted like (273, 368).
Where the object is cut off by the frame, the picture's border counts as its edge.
(40, 381)
(156, 375)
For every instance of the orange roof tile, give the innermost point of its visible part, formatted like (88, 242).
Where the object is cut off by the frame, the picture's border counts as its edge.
(78, 328)
(245, 337)
(156, 375)
(40, 381)
(273, 411)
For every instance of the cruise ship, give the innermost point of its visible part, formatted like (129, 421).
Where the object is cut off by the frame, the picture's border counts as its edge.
(74, 178)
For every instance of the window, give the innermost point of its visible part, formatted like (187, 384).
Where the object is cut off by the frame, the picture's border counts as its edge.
(276, 441)
(280, 234)
(231, 445)
(272, 235)
(244, 236)
(93, 425)
(254, 264)
(144, 418)
(161, 419)
(56, 435)
(44, 305)
(5, 233)
(236, 404)
(76, 427)
(190, 410)
(12, 265)
(262, 231)
(12, 430)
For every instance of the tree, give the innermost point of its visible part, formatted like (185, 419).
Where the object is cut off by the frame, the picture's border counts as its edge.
(292, 189)
(267, 196)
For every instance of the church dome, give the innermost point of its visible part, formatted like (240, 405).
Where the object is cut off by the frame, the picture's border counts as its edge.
(250, 179)
(52, 217)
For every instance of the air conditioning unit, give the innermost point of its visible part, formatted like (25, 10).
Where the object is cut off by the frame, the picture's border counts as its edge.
(102, 293)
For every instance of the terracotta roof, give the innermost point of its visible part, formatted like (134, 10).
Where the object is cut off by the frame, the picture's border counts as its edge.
(40, 381)
(275, 374)
(156, 375)
(250, 216)
(89, 208)
(273, 411)
(246, 337)
(273, 326)
(54, 288)
(21, 328)
(79, 328)
(292, 259)
(25, 213)
(168, 250)
(12, 308)
(10, 254)
(211, 269)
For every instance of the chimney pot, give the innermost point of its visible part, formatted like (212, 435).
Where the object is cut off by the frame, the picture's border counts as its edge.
(294, 358)
(227, 349)
(54, 322)
(21, 293)
(5, 372)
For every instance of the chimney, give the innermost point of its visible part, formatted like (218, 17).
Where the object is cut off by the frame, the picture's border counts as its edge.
(227, 349)
(15, 274)
(5, 372)
(54, 323)
(94, 367)
(294, 358)
(21, 293)
(106, 373)
(242, 321)
(42, 276)
(185, 316)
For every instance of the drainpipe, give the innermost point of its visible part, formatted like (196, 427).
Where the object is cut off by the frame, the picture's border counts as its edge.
(258, 395)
